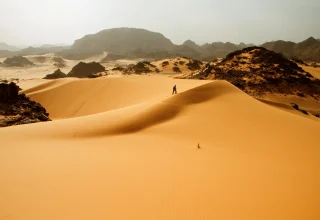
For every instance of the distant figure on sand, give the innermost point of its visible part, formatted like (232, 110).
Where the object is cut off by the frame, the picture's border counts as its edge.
(174, 90)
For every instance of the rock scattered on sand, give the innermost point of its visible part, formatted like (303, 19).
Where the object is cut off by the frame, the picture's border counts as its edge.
(97, 75)
(16, 109)
(176, 69)
(84, 70)
(56, 75)
(194, 65)
(17, 61)
(165, 63)
(139, 68)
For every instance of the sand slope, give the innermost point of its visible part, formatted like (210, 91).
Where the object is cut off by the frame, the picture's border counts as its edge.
(314, 71)
(142, 161)
(88, 96)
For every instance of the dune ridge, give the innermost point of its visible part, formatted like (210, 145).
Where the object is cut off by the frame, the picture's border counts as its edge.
(65, 98)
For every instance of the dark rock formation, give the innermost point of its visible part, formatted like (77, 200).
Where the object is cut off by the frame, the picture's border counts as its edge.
(139, 68)
(118, 68)
(297, 61)
(17, 61)
(296, 107)
(165, 63)
(194, 65)
(257, 70)
(56, 75)
(83, 70)
(176, 69)
(18, 109)
(8, 91)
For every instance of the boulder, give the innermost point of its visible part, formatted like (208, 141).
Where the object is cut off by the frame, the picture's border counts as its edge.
(56, 75)
(18, 109)
(84, 70)
(8, 91)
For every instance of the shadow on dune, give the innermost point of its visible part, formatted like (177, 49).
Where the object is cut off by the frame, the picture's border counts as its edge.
(164, 111)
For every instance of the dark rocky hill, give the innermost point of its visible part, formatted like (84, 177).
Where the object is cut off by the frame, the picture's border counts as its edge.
(18, 109)
(257, 71)
(84, 70)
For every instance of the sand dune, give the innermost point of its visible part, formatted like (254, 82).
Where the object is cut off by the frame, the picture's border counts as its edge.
(140, 160)
(89, 96)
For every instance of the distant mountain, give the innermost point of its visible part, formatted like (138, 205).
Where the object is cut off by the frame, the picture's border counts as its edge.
(7, 53)
(192, 45)
(4, 46)
(50, 45)
(208, 52)
(41, 50)
(188, 51)
(123, 41)
(140, 43)
(133, 43)
(220, 49)
(308, 50)
(33, 51)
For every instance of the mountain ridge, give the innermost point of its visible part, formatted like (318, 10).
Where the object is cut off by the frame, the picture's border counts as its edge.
(142, 43)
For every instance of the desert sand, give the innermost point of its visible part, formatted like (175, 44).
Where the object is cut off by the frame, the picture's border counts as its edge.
(125, 148)
(314, 71)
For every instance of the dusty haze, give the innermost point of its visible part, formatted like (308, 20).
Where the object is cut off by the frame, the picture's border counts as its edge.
(40, 22)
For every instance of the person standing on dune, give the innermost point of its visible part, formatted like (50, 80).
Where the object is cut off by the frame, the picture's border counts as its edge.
(174, 90)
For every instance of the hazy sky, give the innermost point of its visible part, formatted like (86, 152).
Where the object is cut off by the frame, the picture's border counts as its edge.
(27, 22)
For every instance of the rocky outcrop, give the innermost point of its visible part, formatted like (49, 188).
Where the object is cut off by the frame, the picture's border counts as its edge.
(56, 75)
(17, 61)
(257, 71)
(8, 91)
(84, 70)
(18, 109)
(139, 68)
(194, 65)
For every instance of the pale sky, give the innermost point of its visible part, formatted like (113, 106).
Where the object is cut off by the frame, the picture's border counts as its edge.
(27, 22)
